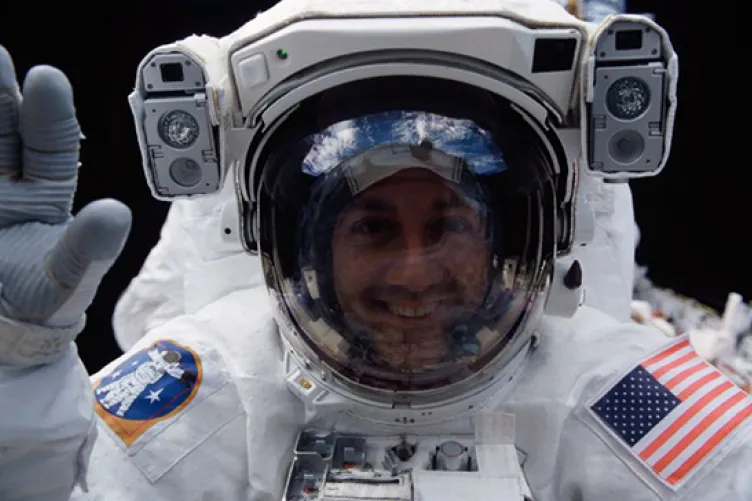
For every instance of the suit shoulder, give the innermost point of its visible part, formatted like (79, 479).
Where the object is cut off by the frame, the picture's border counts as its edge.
(166, 397)
(672, 420)
(592, 346)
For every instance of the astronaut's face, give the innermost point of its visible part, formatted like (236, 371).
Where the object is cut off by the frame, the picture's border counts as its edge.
(410, 256)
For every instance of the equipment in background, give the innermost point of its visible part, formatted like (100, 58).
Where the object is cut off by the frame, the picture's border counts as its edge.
(724, 340)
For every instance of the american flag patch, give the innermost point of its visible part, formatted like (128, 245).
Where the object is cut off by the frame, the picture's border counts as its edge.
(673, 411)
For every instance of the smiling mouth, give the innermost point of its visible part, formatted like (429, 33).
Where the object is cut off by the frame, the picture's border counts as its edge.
(417, 311)
(412, 311)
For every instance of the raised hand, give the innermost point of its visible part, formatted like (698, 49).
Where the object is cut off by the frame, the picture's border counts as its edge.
(50, 262)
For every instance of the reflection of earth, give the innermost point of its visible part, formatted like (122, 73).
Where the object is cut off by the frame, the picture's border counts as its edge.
(595, 10)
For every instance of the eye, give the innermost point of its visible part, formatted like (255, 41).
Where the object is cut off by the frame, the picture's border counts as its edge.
(372, 227)
(455, 225)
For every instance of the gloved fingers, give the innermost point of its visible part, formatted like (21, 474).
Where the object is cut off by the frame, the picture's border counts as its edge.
(10, 143)
(39, 142)
(50, 137)
(84, 253)
(97, 233)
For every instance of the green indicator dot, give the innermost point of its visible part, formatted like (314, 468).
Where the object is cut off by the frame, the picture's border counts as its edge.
(282, 54)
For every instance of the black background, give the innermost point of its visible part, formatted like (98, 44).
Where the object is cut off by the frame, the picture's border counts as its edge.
(694, 218)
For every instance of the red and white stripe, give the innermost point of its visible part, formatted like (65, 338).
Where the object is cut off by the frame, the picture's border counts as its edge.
(711, 408)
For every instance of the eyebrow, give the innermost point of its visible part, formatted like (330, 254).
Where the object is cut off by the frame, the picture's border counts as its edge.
(454, 202)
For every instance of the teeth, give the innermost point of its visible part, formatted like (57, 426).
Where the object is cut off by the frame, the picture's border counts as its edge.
(406, 311)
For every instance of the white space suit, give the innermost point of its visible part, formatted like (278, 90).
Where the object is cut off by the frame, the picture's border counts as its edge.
(188, 247)
(224, 423)
(566, 456)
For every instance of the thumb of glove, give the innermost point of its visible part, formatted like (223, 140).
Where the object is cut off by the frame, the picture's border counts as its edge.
(83, 255)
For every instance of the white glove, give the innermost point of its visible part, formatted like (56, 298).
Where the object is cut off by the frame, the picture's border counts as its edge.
(50, 263)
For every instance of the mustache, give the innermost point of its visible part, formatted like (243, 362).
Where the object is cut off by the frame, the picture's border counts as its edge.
(400, 293)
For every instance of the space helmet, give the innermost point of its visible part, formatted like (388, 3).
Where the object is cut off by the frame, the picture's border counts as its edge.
(406, 228)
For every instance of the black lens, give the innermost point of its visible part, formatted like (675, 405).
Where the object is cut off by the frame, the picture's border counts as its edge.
(554, 54)
(626, 146)
(629, 40)
(171, 72)
(185, 172)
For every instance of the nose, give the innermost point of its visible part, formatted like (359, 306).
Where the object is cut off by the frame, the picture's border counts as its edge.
(416, 266)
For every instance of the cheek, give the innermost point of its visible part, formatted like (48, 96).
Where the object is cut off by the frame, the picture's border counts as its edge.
(469, 262)
(351, 273)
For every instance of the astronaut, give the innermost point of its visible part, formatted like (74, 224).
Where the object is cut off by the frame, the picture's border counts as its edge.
(414, 214)
(188, 243)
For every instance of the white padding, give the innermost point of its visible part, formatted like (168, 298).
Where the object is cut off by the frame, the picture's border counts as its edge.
(26, 345)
